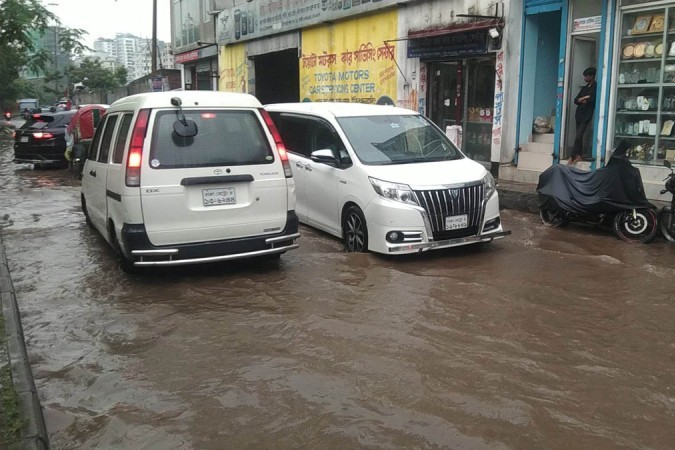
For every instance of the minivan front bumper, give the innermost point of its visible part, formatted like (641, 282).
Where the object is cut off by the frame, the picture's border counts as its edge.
(424, 246)
(143, 254)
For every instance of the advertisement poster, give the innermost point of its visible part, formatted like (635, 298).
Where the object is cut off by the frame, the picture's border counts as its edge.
(233, 69)
(350, 62)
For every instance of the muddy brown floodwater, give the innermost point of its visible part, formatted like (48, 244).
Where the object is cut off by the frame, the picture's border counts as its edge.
(550, 338)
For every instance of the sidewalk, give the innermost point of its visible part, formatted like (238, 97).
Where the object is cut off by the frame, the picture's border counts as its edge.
(518, 196)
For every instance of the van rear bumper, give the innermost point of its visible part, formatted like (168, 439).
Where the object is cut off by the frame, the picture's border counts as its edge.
(143, 254)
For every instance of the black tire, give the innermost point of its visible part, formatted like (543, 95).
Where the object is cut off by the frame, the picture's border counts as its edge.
(355, 230)
(87, 219)
(553, 217)
(667, 221)
(122, 262)
(638, 227)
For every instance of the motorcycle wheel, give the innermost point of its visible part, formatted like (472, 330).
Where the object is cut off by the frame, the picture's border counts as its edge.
(553, 217)
(639, 228)
(667, 220)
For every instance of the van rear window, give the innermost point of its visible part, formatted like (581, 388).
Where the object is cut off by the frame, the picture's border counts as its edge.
(224, 138)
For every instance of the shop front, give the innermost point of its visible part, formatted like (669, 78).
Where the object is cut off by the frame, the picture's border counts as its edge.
(200, 68)
(643, 102)
(460, 64)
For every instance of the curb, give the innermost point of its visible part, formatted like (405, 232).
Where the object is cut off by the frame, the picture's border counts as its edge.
(34, 434)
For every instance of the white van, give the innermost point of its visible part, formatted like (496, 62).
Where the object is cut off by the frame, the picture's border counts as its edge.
(385, 179)
(175, 178)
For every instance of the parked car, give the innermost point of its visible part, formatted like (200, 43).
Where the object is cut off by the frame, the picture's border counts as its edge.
(189, 177)
(385, 179)
(41, 140)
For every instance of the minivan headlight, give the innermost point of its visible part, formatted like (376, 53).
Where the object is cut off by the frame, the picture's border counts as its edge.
(394, 191)
(490, 186)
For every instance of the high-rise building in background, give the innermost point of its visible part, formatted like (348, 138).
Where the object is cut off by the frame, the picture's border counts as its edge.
(134, 53)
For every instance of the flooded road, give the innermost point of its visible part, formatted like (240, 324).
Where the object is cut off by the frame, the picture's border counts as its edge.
(550, 338)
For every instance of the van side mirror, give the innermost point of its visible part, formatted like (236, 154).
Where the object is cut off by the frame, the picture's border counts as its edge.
(324, 156)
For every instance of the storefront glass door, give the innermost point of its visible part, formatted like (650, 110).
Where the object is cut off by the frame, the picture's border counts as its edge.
(462, 93)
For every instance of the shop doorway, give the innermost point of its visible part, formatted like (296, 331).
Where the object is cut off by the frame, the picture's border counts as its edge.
(461, 93)
(277, 77)
(583, 54)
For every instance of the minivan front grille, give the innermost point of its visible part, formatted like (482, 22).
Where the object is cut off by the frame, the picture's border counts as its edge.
(442, 203)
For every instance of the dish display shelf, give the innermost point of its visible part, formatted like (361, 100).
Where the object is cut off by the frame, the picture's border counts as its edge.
(645, 84)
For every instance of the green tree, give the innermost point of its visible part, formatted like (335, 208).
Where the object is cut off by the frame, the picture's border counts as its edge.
(18, 49)
(97, 78)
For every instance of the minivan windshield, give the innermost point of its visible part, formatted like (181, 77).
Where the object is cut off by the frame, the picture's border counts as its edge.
(224, 137)
(397, 139)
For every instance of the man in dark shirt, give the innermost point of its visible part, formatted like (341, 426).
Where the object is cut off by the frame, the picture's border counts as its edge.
(585, 101)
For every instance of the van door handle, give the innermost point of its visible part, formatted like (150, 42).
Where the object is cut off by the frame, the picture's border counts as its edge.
(92, 173)
(298, 165)
(308, 168)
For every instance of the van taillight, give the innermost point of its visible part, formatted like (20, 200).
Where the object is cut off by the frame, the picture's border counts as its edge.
(133, 175)
(281, 149)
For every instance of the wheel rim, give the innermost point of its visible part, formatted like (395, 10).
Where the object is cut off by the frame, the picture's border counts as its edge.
(552, 217)
(634, 225)
(638, 226)
(354, 233)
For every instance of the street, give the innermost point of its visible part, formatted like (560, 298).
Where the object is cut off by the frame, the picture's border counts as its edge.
(549, 338)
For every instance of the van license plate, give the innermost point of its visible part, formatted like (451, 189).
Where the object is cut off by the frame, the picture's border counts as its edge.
(456, 222)
(220, 196)
(24, 139)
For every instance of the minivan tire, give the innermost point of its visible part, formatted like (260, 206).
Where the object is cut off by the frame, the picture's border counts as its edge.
(355, 230)
(122, 262)
(87, 219)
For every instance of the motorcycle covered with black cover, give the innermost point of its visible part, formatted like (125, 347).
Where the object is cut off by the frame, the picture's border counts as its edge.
(613, 195)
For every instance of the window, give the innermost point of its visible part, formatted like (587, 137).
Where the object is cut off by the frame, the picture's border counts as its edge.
(645, 85)
(121, 140)
(93, 148)
(107, 139)
(223, 138)
(294, 132)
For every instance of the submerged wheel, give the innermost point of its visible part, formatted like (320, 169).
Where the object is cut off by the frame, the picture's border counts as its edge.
(637, 225)
(87, 219)
(122, 262)
(667, 220)
(553, 217)
(354, 230)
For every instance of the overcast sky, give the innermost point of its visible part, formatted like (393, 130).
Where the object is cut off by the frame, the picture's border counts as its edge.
(104, 18)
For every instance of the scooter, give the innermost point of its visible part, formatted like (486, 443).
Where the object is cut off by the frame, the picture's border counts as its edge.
(667, 216)
(613, 196)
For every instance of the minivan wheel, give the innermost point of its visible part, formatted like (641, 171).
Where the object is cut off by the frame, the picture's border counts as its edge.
(122, 262)
(355, 230)
(85, 212)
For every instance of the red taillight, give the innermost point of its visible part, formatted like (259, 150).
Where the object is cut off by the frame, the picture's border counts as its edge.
(133, 175)
(281, 149)
(41, 135)
(208, 116)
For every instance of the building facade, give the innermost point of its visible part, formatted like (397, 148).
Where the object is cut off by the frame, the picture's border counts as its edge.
(629, 42)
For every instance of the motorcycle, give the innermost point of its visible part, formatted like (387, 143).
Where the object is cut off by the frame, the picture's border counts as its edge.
(667, 216)
(613, 196)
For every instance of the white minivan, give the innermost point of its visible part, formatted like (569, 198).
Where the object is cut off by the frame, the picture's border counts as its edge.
(385, 179)
(175, 178)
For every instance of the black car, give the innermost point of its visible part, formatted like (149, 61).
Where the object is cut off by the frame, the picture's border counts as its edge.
(41, 140)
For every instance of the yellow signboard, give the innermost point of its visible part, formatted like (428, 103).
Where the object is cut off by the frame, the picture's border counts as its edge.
(350, 61)
(233, 69)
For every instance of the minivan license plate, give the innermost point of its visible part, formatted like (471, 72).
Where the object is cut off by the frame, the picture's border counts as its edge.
(220, 196)
(456, 222)
(24, 139)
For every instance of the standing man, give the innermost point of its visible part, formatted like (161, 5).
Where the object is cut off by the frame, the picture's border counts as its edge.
(585, 101)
